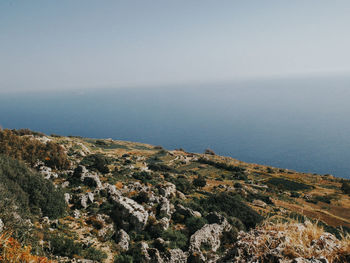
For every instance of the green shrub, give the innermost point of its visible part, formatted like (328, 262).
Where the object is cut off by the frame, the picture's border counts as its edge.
(160, 167)
(97, 162)
(29, 190)
(294, 194)
(231, 205)
(66, 247)
(177, 238)
(199, 181)
(182, 184)
(220, 165)
(123, 258)
(345, 187)
(288, 185)
(195, 223)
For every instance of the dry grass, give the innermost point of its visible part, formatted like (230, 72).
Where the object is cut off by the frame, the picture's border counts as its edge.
(11, 251)
(289, 241)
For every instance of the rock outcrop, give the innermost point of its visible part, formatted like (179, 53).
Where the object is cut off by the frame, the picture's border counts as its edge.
(122, 239)
(128, 214)
(209, 235)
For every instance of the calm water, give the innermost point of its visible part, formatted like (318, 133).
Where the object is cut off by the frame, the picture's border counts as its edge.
(301, 124)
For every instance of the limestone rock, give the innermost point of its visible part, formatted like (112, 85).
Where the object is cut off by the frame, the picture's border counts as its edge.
(106, 229)
(47, 172)
(259, 203)
(164, 223)
(122, 238)
(67, 198)
(168, 190)
(128, 213)
(180, 195)
(188, 212)
(88, 178)
(86, 199)
(176, 256)
(209, 234)
(165, 208)
(150, 255)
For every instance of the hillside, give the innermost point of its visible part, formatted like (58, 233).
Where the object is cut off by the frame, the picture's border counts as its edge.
(104, 200)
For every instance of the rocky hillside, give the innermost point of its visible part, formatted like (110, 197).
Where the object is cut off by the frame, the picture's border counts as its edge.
(73, 199)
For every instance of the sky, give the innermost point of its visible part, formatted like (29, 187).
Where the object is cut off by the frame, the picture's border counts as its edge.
(46, 44)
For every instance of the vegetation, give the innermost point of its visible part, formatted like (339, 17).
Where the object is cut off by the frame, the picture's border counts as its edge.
(182, 184)
(214, 186)
(12, 251)
(195, 223)
(307, 236)
(199, 181)
(31, 150)
(66, 247)
(345, 187)
(221, 165)
(229, 204)
(28, 190)
(177, 238)
(97, 162)
(284, 184)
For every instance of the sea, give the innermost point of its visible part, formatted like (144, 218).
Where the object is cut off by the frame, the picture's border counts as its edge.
(295, 123)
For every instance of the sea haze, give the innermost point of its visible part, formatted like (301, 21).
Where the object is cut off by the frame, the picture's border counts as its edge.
(300, 124)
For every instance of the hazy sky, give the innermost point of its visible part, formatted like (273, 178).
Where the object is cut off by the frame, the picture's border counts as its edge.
(66, 44)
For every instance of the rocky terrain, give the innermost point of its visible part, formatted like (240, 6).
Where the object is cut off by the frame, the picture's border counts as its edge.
(101, 200)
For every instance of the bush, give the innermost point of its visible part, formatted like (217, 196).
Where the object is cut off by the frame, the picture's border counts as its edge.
(232, 206)
(294, 194)
(22, 132)
(160, 167)
(199, 181)
(97, 162)
(182, 184)
(122, 258)
(31, 150)
(29, 190)
(66, 247)
(220, 165)
(177, 238)
(345, 187)
(288, 185)
(195, 223)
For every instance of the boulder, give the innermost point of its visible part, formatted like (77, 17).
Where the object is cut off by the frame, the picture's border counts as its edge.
(128, 214)
(105, 227)
(188, 212)
(175, 256)
(76, 213)
(164, 223)
(150, 255)
(47, 172)
(168, 190)
(180, 195)
(67, 198)
(165, 207)
(259, 203)
(86, 199)
(210, 235)
(122, 238)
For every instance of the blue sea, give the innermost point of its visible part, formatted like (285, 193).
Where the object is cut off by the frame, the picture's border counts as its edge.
(301, 123)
